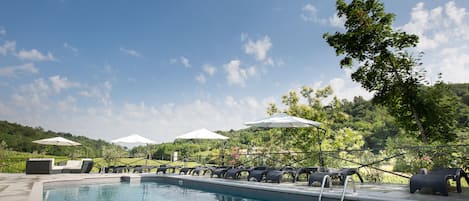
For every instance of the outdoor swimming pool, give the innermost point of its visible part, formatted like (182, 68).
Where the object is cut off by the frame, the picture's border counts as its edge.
(133, 192)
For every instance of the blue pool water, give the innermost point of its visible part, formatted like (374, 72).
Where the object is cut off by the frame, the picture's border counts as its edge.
(145, 191)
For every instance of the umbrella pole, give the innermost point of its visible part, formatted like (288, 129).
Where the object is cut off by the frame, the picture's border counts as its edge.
(321, 159)
(223, 154)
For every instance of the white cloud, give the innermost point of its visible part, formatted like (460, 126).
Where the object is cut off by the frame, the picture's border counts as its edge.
(344, 87)
(14, 70)
(209, 69)
(3, 31)
(33, 97)
(185, 62)
(200, 78)
(454, 13)
(443, 34)
(311, 14)
(237, 75)
(35, 55)
(130, 52)
(259, 48)
(102, 92)
(59, 83)
(453, 63)
(7, 47)
(337, 21)
(161, 123)
(68, 46)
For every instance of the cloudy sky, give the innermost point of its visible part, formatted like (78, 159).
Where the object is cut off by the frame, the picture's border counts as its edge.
(108, 69)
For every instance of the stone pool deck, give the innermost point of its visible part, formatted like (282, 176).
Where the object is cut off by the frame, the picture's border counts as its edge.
(22, 187)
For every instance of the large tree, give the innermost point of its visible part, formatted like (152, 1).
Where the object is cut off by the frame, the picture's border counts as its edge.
(387, 65)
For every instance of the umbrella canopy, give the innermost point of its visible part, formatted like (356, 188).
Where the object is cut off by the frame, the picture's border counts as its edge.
(59, 141)
(283, 121)
(286, 121)
(134, 139)
(202, 134)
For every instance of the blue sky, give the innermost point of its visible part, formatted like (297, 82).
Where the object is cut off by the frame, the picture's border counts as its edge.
(108, 69)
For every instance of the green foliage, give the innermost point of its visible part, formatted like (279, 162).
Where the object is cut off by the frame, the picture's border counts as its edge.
(3, 154)
(309, 106)
(112, 152)
(388, 69)
(19, 138)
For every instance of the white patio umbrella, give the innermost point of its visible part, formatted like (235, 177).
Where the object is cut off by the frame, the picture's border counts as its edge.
(283, 120)
(135, 139)
(202, 134)
(59, 141)
(205, 134)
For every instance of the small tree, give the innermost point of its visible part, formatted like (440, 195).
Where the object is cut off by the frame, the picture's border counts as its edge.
(387, 68)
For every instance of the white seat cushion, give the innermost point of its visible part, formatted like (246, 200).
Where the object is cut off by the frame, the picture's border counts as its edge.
(73, 164)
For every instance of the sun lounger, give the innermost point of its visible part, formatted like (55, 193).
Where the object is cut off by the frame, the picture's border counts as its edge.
(46, 166)
(305, 170)
(340, 174)
(164, 168)
(200, 169)
(186, 170)
(136, 169)
(78, 166)
(258, 173)
(219, 171)
(42, 166)
(234, 173)
(437, 180)
(277, 175)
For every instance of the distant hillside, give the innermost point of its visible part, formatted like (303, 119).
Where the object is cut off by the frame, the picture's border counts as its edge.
(19, 138)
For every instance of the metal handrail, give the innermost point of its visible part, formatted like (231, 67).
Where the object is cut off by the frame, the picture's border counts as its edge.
(324, 179)
(345, 186)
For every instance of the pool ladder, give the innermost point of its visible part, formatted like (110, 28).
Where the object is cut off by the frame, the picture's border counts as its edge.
(327, 178)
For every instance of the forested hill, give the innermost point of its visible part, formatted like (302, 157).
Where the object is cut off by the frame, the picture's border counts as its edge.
(19, 138)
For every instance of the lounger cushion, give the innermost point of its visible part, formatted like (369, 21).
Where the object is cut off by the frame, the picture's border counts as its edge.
(437, 180)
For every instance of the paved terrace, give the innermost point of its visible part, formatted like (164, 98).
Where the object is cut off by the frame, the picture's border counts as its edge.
(21, 187)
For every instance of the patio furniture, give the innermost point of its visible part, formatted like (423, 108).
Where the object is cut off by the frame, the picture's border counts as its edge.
(437, 180)
(42, 166)
(185, 170)
(164, 168)
(138, 168)
(277, 175)
(234, 173)
(340, 174)
(305, 170)
(258, 173)
(78, 166)
(46, 166)
(200, 169)
(219, 171)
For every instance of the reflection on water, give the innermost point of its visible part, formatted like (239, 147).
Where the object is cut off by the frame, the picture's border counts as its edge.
(133, 192)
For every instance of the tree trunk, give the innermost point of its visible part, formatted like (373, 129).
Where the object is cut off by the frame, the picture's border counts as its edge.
(419, 125)
(412, 107)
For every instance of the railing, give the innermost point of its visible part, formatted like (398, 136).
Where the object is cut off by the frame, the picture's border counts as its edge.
(347, 178)
(325, 179)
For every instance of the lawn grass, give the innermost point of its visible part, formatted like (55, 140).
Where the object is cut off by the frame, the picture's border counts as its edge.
(16, 162)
